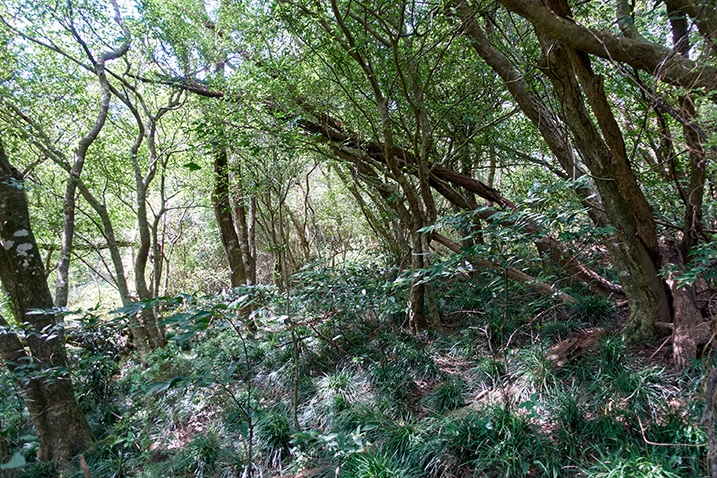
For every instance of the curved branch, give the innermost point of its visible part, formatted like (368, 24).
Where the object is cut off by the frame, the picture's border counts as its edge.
(660, 61)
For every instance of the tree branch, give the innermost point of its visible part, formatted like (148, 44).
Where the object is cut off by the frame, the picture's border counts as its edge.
(660, 61)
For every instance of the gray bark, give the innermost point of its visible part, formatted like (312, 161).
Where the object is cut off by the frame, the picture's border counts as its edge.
(61, 427)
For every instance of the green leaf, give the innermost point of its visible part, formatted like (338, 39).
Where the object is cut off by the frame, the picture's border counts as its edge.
(160, 387)
(17, 461)
(192, 166)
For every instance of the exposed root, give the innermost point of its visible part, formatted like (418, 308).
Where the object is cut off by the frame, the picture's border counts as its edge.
(574, 346)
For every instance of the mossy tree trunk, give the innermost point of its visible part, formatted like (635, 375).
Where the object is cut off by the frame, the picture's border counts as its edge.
(44, 380)
(638, 253)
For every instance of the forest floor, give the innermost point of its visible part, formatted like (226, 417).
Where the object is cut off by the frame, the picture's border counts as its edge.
(339, 387)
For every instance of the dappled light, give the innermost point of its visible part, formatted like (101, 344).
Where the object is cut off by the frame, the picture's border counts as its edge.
(333, 238)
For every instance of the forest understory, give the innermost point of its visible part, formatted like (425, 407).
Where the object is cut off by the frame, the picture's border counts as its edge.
(333, 383)
(361, 239)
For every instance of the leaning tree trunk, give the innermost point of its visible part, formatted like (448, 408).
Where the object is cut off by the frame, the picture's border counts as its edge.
(80, 154)
(225, 221)
(634, 247)
(47, 389)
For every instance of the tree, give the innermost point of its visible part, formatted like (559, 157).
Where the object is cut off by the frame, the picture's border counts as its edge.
(80, 153)
(406, 164)
(639, 248)
(39, 364)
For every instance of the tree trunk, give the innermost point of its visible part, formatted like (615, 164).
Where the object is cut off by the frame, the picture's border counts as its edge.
(225, 222)
(301, 234)
(243, 214)
(251, 240)
(694, 195)
(634, 247)
(68, 206)
(149, 320)
(689, 330)
(416, 310)
(237, 247)
(61, 427)
(158, 243)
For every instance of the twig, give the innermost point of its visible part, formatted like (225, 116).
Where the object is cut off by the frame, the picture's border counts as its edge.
(644, 437)
(85, 468)
(664, 342)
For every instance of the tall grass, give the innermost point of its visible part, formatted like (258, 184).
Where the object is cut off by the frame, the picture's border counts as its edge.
(479, 399)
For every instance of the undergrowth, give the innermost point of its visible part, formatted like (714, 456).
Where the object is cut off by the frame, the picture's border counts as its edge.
(331, 384)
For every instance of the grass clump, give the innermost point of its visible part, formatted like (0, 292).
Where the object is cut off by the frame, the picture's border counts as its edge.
(634, 465)
(376, 464)
(343, 387)
(273, 432)
(593, 310)
(447, 396)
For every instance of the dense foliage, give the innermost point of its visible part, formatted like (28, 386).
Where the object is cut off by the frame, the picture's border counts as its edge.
(364, 239)
(331, 381)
